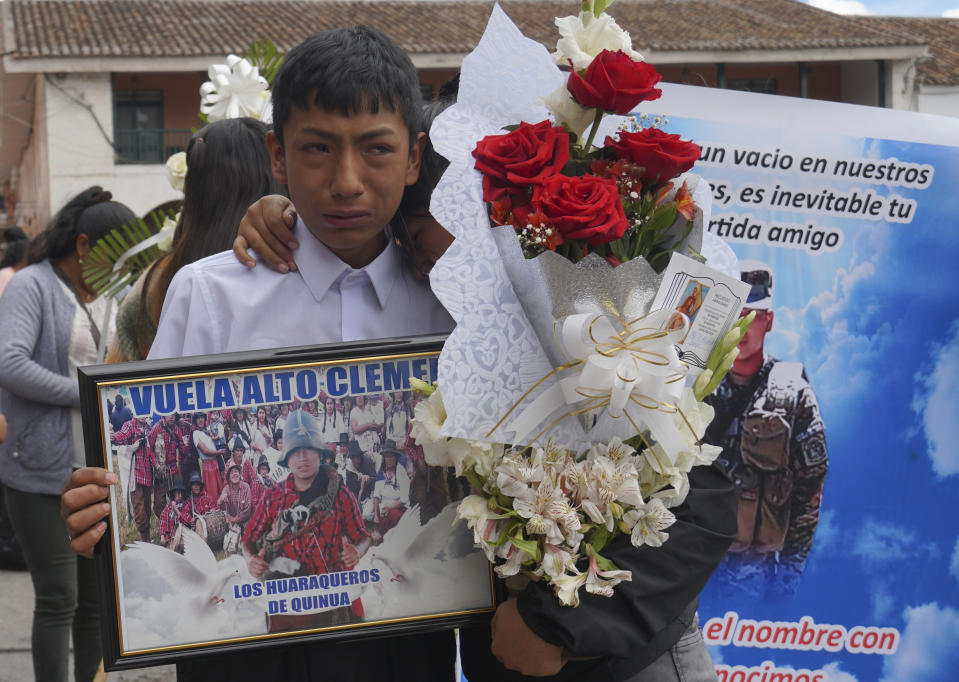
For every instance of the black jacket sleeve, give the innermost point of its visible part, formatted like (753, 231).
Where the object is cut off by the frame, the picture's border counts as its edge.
(665, 580)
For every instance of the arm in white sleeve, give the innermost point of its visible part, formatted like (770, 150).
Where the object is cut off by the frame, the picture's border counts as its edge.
(188, 322)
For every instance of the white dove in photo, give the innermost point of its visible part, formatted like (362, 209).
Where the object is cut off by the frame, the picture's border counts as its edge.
(186, 596)
(428, 569)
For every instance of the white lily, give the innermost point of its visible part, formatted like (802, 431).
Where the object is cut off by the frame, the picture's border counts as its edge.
(648, 523)
(585, 36)
(235, 89)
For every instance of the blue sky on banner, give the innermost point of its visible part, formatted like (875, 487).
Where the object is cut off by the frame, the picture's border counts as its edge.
(876, 323)
(916, 8)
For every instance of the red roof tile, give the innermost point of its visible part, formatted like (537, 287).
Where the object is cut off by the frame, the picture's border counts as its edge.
(168, 28)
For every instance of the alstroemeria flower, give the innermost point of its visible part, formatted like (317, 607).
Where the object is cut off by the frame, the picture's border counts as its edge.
(585, 36)
(649, 523)
(567, 587)
(516, 472)
(235, 89)
(619, 482)
(602, 582)
(534, 505)
(557, 560)
(515, 559)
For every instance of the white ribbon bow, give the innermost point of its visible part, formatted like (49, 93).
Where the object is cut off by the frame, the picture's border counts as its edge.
(235, 89)
(634, 372)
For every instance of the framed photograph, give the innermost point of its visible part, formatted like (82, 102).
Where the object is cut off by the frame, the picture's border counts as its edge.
(271, 498)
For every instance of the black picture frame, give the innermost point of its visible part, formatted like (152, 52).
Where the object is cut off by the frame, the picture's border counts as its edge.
(142, 629)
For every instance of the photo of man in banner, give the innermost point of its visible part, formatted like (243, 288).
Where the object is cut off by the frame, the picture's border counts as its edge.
(774, 448)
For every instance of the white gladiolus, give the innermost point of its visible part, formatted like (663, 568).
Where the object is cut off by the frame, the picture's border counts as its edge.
(475, 511)
(567, 112)
(584, 37)
(165, 236)
(428, 418)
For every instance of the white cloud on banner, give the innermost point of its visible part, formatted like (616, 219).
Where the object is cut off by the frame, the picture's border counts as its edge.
(841, 6)
(827, 532)
(954, 562)
(929, 648)
(935, 404)
(840, 334)
(832, 673)
(883, 602)
(882, 542)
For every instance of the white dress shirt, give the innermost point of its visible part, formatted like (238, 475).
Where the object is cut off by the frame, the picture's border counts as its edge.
(217, 304)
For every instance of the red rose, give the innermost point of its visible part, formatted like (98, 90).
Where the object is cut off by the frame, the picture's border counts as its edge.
(614, 82)
(663, 156)
(582, 207)
(521, 158)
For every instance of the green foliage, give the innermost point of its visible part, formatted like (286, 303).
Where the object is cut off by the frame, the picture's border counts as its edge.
(265, 56)
(98, 265)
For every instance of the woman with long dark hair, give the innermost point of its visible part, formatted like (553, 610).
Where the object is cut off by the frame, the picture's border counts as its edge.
(53, 323)
(228, 168)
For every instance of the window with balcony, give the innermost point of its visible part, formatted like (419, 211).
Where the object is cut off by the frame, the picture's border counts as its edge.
(139, 135)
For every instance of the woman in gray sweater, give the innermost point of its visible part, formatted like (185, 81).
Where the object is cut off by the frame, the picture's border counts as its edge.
(52, 323)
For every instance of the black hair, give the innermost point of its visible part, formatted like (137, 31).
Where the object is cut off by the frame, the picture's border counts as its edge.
(91, 213)
(416, 197)
(228, 168)
(350, 70)
(15, 244)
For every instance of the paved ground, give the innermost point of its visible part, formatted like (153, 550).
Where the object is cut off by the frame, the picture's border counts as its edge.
(16, 602)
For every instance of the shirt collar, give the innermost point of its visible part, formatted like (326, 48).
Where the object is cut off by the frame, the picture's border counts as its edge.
(321, 269)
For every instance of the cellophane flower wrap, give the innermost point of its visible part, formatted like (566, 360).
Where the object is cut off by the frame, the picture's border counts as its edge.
(561, 396)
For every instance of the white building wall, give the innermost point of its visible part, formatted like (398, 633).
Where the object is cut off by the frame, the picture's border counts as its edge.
(80, 146)
(900, 84)
(942, 100)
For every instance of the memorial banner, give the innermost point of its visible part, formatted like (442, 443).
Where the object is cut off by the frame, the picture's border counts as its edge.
(839, 421)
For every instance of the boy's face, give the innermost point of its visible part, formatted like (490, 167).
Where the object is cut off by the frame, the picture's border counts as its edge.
(346, 175)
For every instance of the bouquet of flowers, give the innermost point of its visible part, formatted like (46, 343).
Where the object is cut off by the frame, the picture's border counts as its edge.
(564, 347)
